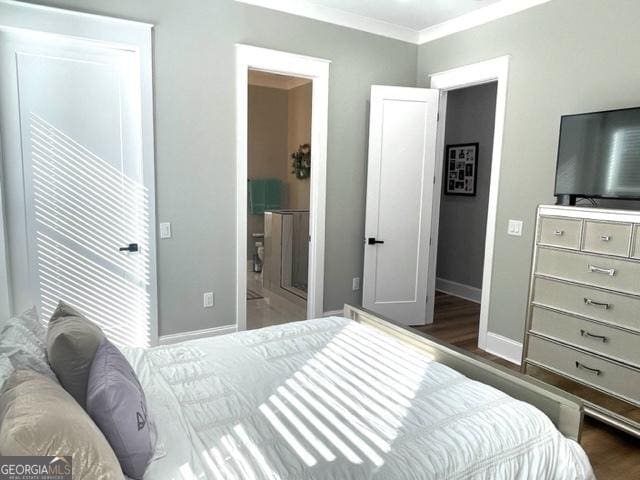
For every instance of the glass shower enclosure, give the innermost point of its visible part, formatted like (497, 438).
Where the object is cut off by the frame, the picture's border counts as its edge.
(287, 251)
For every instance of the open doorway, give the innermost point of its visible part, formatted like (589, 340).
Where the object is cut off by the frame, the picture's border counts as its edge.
(310, 161)
(496, 72)
(278, 183)
(464, 200)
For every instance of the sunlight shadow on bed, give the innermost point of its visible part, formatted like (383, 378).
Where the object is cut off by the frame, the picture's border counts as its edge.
(347, 402)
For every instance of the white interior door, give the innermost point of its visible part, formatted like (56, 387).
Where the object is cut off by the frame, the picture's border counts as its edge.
(75, 193)
(402, 137)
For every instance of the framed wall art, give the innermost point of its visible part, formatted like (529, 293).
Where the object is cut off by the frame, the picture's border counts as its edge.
(461, 169)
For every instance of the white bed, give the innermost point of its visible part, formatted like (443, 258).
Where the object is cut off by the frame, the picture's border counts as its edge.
(337, 399)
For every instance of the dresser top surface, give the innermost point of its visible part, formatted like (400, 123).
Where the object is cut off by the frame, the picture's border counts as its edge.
(603, 214)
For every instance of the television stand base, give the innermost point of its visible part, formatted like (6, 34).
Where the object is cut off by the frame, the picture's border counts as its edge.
(566, 200)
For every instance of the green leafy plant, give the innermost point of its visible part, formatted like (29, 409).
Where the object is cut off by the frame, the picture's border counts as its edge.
(301, 162)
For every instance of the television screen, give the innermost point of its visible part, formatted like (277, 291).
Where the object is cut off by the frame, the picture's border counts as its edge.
(599, 155)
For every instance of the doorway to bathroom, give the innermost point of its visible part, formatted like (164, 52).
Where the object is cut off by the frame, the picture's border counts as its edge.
(290, 232)
(278, 185)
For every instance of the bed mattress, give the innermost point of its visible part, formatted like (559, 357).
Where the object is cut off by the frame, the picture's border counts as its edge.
(334, 399)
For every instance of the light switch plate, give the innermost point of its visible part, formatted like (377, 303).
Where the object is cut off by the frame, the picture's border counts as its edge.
(355, 284)
(207, 299)
(515, 228)
(165, 230)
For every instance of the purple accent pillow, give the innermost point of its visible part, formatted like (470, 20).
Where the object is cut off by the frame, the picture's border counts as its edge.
(116, 403)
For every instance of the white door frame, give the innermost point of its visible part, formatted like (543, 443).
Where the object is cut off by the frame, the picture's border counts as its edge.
(273, 61)
(495, 70)
(115, 33)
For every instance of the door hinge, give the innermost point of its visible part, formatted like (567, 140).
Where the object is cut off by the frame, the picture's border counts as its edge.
(434, 179)
(430, 241)
(438, 117)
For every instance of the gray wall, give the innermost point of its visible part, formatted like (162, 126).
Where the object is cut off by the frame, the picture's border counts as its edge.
(567, 56)
(195, 140)
(471, 114)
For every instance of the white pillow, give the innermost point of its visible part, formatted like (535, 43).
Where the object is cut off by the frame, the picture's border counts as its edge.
(22, 341)
(6, 369)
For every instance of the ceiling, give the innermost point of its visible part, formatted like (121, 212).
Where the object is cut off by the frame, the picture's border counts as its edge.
(274, 80)
(415, 21)
(413, 14)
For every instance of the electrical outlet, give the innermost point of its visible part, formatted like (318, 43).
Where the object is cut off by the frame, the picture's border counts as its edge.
(165, 230)
(355, 284)
(515, 228)
(207, 300)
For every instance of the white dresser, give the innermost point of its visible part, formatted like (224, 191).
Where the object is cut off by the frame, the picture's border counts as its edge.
(583, 322)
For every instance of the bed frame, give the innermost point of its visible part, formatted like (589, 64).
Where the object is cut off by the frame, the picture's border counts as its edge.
(564, 410)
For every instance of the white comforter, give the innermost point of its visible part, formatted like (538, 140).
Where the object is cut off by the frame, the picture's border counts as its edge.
(334, 399)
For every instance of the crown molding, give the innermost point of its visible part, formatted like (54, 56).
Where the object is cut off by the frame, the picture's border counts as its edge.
(306, 9)
(478, 17)
(18, 9)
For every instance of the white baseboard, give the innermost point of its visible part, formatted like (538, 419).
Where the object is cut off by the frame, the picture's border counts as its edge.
(333, 313)
(504, 347)
(207, 332)
(456, 289)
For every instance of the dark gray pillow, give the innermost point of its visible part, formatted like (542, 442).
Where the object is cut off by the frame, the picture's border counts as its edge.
(72, 341)
(116, 402)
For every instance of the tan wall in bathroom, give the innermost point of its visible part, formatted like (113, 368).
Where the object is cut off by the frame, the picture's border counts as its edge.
(299, 133)
(279, 122)
(267, 145)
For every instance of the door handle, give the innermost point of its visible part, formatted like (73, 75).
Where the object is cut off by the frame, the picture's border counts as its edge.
(132, 247)
(373, 241)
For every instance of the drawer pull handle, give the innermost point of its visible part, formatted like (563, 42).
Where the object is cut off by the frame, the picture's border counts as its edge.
(588, 369)
(558, 233)
(608, 271)
(605, 238)
(593, 303)
(584, 333)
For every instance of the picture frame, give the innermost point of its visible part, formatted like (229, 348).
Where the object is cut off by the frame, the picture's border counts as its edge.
(461, 169)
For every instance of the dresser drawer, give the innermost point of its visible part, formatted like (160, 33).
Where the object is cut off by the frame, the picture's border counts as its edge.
(560, 232)
(594, 398)
(620, 275)
(636, 244)
(609, 376)
(608, 341)
(607, 238)
(609, 307)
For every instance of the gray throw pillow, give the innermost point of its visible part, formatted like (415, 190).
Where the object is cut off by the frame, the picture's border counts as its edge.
(72, 341)
(117, 404)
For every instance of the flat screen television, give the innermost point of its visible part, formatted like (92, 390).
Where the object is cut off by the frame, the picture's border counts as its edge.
(599, 156)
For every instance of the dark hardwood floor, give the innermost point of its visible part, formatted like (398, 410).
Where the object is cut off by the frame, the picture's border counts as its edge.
(613, 454)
